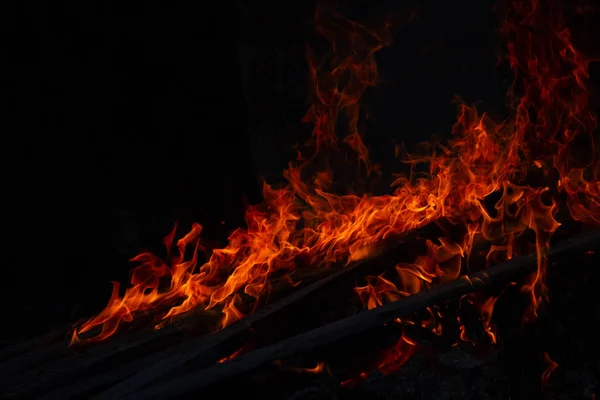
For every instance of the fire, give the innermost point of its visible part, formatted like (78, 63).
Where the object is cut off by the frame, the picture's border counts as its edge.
(550, 367)
(393, 359)
(236, 353)
(485, 308)
(388, 361)
(526, 162)
(320, 368)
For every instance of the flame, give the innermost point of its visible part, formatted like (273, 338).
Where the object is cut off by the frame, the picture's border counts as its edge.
(232, 313)
(527, 161)
(550, 367)
(372, 294)
(236, 353)
(387, 361)
(352, 382)
(485, 308)
(316, 370)
(397, 356)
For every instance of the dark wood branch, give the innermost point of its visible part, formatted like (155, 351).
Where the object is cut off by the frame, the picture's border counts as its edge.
(27, 354)
(317, 338)
(31, 355)
(65, 372)
(209, 348)
(21, 347)
(47, 361)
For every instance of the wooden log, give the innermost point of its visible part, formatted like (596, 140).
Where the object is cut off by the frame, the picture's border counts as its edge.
(56, 364)
(48, 360)
(35, 352)
(20, 347)
(193, 381)
(32, 352)
(58, 375)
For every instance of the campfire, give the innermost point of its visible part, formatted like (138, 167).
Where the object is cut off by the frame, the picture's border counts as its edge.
(331, 289)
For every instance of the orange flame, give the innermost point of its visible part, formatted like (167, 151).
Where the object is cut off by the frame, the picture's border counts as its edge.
(388, 361)
(550, 367)
(397, 356)
(316, 370)
(306, 221)
(485, 308)
(236, 353)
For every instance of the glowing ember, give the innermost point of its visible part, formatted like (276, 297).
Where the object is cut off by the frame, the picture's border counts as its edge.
(236, 353)
(318, 369)
(525, 161)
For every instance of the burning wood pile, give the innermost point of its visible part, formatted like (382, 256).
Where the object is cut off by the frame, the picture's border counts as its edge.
(355, 295)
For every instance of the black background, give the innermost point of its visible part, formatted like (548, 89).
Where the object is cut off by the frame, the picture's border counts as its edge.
(126, 116)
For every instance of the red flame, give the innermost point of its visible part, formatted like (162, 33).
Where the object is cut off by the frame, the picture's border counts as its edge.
(316, 370)
(397, 356)
(551, 117)
(550, 367)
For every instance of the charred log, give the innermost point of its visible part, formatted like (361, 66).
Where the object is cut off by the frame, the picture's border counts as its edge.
(85, 369)
(369, 320)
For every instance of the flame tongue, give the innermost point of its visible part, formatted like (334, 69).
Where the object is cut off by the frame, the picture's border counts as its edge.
(306, 221)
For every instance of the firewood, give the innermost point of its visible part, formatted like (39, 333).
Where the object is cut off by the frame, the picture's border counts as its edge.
(18, 348)
(51, 352)
(193, 381)
(60, 373)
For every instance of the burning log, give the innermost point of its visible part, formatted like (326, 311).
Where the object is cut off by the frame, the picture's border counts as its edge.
(55, 366)
(195, 380)
(37, 354)
(483, 159)
(208, 350)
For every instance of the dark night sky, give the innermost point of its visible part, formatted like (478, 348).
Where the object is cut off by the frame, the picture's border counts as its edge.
(125, 116)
